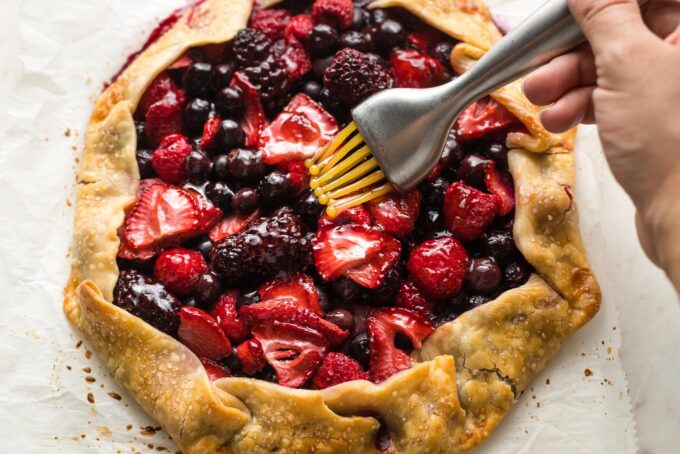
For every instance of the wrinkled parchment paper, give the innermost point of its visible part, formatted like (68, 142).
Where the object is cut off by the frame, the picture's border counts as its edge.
(57, 397)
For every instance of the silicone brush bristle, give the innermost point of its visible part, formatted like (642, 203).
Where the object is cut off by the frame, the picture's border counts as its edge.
(345, 174)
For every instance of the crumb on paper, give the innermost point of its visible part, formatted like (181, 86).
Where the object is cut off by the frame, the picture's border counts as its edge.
(68, 367)
(90, 379)
(90, 398)
(115, 396)
(88, 354)
(128, 427)
(547, 381)
(105, 431)
(149, 430)
(609, 350)
(67, 133)
(69, 203)
(588, 372)
(79, 344)
(87, 370)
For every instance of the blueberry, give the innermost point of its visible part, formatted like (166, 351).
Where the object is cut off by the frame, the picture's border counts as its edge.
(499, 153)
(389, 35)
(378, 16)
(220, 170)
(442, 52)
(202, 245)
(222, 75)
(472, 170)
(230, 134)
(433, 193)
(310, 209)
(197, 165)
(342, 318)
(245, 165)
(233, 363)
(144, 163)
(319, 66)
(345, 290)
(140, 129)
(207, 288)
(355, 40)
(247, 298)
(515, 274)
(229, 102)
(322, 40)
(196, 113)
(358, 348)
(385, 294)
(312, 89)
(275, 188)
(331, 103)
(484, 276)
(360, 20)
(499, 244)
(220, 194)
(245, 201)
(198, 80)
(324, 300)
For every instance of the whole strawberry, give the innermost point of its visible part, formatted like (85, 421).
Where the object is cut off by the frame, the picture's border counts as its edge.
(438, 267)
(178, 269)
(169, 158)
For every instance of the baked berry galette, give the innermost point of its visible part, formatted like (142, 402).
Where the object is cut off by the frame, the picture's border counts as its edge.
(242, 317)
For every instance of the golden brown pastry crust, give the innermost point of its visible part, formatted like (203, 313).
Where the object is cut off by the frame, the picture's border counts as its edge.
(467, 375)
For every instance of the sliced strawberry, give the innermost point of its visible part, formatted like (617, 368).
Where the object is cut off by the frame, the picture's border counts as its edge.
(381, 326)
(201, 333)
(163, 216)
(338, 368)
(500, 183)
(438, 267)
(293, 351)
(251, 356)
(298, 132)
(179, 268)
(298, 286)
(468, 211)
(358, 215)
(415, 70)
(271, 22)
(340, 249)
(215, 370)
(296, 60)
(297, 173)
(483, 117)
(299, 27)
(227, 317)
(396, 213)
(253, 121)
(409, 297)
(231, 225)
(372, 273)
(209, 136)
(337, 13)
(286, 310)
(165, 117)
(170, 157)
(159, 88)
(183, 62)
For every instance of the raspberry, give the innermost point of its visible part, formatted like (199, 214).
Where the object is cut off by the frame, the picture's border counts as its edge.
(409, 297)
(299, 27)
(338, 13)
(353, 76)
(438, 267)
(271, 22)
(250, 47)
(468, 211)
(178, 269)
(169, 158)
(338, 368)
(267, 247)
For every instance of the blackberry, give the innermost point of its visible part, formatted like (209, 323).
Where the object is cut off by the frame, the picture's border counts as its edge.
(271, 78)
(268, 246)
(353, 76)
(146, 298)
(250, 47)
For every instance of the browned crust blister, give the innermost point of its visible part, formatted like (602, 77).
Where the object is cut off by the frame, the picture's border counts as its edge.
(469, 372)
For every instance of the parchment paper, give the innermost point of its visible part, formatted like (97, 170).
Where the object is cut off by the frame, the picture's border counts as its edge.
(55, 396)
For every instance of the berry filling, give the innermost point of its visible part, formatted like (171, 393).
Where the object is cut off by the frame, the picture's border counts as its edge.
(228, 250)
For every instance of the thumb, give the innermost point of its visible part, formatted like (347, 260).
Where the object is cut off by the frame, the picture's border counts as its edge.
(605, 22)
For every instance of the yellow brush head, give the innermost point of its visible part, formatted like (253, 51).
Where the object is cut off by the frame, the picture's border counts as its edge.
(345, 174)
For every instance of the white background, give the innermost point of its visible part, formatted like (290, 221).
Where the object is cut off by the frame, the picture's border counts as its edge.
(54, 56)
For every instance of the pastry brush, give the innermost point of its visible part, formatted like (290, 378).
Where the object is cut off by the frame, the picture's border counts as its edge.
(398, 135)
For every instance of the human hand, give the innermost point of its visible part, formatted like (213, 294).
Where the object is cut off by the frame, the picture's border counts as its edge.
(627, 80)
